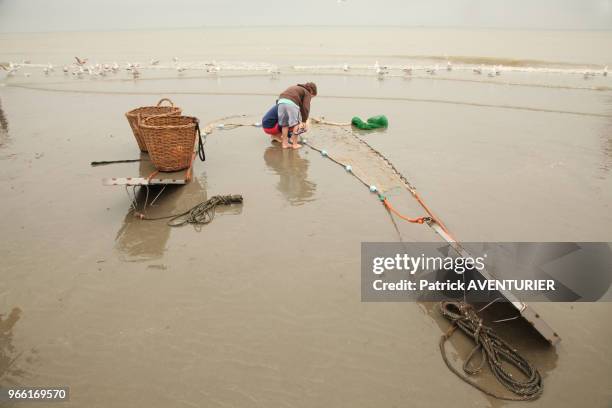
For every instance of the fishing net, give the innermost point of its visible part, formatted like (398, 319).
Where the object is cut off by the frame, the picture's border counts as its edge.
(364, 162)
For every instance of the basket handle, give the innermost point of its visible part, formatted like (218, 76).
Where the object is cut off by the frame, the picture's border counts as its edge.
(201, 153)
(165, 99)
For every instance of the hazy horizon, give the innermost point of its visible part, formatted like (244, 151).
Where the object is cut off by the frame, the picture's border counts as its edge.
(115, 15)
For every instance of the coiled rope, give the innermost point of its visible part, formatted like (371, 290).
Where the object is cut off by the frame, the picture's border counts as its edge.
(494, 351)
(198, 215)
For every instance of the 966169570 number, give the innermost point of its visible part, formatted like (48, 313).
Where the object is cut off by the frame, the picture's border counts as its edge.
(34, 394)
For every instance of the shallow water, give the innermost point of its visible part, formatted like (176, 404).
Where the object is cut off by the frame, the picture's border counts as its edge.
(262, 307)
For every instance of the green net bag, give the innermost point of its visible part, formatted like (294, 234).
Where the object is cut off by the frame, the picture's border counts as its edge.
(375, 122)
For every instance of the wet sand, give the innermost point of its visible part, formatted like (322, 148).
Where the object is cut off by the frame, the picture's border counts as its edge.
(262, 307)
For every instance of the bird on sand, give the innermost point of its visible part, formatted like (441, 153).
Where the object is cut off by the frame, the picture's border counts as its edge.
(80, 61)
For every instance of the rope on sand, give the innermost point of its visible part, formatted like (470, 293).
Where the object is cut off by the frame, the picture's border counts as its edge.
(323, 121)
(198, 215)
(494, 351)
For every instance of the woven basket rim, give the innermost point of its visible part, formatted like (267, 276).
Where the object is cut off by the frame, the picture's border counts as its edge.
(143, 123)
(136, 111)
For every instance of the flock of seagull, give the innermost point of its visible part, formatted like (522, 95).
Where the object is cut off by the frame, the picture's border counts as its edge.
(81, 67)
(490, 70)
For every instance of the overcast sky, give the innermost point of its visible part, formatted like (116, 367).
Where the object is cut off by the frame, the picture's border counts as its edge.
(78, 15)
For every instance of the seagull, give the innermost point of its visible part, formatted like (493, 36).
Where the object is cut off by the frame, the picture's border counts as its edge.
(80, 61)
(431, 71)
(46, 70)
(175, 59)
(586, 74)
(346, 67)
(449, 66)
(408, 70)
(381, 70)
(274, 72)
(491, 74)
(180, 69)
(605, 71)
(12, 68)
(498, 70)
(154, 62)
(26, 74)
(478, 70)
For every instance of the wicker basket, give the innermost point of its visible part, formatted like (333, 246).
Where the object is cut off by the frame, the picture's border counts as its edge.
(170, 140)
(135, 116)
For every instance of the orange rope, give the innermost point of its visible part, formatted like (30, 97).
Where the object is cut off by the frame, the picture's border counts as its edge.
(388, 205)
(190, 170)
(419, 220)
(431, 214)
(152, 175)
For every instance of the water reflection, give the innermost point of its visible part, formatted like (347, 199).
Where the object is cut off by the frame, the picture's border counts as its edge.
(8, 353)
(606, 147)
(292, 170)
(140, 240)
(3, 127)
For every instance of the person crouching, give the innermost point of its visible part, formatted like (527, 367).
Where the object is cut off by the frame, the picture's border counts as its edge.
(293, 110)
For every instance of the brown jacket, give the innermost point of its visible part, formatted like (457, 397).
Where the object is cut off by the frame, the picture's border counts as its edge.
(301, 94)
